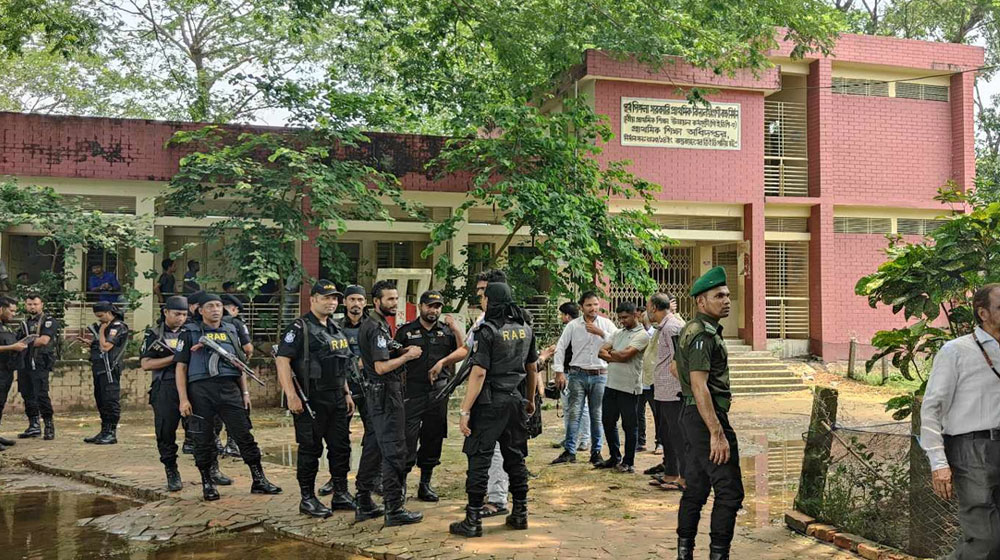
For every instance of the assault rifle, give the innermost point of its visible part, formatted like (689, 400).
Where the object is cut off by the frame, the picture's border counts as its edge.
(104, 355)
(222, 353)
(460, 376)
(297, 386)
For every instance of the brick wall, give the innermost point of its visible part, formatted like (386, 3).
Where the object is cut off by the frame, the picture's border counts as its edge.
(890, 51)
(71, 387)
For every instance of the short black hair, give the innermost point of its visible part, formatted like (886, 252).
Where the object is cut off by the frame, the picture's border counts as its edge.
(492, 275)
(381, 286)
(625, 307)
(571, 309)
(7, 301)
(660, 301)
(587, 295)
(34, 296)
(227, 285)
(191, 263)
(165, 264)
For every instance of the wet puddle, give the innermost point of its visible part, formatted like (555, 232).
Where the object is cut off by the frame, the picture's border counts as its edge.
(287, 455)
(770, 481)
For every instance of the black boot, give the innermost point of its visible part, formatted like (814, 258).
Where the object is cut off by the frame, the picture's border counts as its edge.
(261, 485)
(342, 499)
(34, 429)
(173, 479)
(98, 435)
(518, 518)
(685, 549)
(378, 487)
(219, 448)
(208, 489)
(217, 476)
(471, 526)
(366, 507)
(110, 436)
(399, 515)
(50, 429)
(326, 489)
(311, 506)
(424, 492)
(6, 442)
(718, 552)
(188, 447)
(231, 449)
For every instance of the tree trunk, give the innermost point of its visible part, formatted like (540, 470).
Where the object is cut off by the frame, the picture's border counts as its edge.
(819, 442)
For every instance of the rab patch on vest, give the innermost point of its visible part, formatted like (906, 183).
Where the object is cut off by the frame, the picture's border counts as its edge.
(290, 337)
(338, 343)
(48, 324)
(220, 336)
(517, 334)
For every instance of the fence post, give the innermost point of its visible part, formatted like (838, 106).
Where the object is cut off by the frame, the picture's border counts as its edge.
(852, 355)
(885, 369)
(812, 481)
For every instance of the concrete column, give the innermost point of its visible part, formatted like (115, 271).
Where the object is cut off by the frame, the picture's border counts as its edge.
(754, 302)
(145, 262)
(457, 247)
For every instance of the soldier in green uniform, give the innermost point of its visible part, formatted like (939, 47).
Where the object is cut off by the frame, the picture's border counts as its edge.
(712, 454)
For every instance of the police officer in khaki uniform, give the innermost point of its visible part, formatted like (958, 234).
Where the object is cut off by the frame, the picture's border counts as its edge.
(494, 410)
(712, 454)
(11, 353)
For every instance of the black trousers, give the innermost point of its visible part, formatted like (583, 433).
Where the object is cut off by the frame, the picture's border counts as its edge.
(6, 381)
(33, 384)
(668, 415)
(426, 428)
(331, 426)
(166, 417)
(619, 404)
(503, 421)
(108, 396)
(222, 396)
(704, 476)
(975, 468)
(646, 399)
(387, 418)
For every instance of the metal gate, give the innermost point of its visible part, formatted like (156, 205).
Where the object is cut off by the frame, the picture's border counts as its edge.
(787, 289)
(674, 279)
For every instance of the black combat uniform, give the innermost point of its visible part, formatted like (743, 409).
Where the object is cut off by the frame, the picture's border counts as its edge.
(107, 385)
(231, 449)
(321, 372)
(387, 419)
(213, 388)
(701, 348)
(10, 361)
(426, 421)
(33, 377)
(161, 342)
(504, 344)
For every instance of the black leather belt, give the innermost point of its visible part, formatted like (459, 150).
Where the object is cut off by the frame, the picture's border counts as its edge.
(993, 435)
(590, 371)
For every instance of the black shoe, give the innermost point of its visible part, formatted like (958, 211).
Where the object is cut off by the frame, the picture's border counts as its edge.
(188, 447)
(640, 448)
(50, 430)
(595, 458)
(173, 479)
(326, 489)
(34, 429)
(608, 464)
(656, 469)
(717, 552)
(110, 437)
(217, 476)
(208, 489)
(471, 526)
(685, 549)
(564, 457)
(425, 493)
(231, 449)
(7, 442)
(261, 485)
(367, 508)
(311, 506)
(401, 516)
(625, 469)
(518, 518)
(95, 437)
(218, 445)
(342, 499)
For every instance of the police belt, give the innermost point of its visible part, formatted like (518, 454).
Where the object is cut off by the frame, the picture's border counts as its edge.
(992, 435)
(722, 403)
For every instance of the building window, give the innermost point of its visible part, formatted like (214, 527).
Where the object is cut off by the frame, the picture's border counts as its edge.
(796, 225)
(703, 223)
(866, 88)
(913, 226)
(926, 92)
(400, 254)
(855, 225)
(344, 265)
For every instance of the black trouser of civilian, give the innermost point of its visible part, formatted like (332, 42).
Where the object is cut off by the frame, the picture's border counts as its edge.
(222, 396)
(332, 425)
(387, 418)
(668, 414)
(975, 470)
(646, 398)
(107, 396)
(503, 421)
(619, 404)
(33, 384)
(426, 428)
(166, 417)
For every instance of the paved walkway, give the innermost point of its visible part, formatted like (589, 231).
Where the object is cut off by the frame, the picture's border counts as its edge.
(575, 512)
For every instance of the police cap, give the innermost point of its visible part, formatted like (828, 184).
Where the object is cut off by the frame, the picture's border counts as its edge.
(325, 288)
(711, 279)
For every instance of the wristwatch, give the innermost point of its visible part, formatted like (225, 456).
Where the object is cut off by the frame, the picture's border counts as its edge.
(464, 413)
(246, 393)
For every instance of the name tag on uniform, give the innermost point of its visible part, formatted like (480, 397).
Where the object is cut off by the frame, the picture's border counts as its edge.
(414, 334)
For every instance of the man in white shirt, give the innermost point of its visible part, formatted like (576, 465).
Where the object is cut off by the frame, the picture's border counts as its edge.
(960, 428)
(587, 374)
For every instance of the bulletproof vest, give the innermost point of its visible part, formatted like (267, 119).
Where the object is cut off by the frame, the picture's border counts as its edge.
(175, 342)
(325, 356)
(110, 332)
(395, 350)
(511, 345)
(205, 363)
(9, 334)
(40, 357)
(351, 333)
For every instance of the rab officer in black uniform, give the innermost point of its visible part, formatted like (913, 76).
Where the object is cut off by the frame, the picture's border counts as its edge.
(11, 353)
(385, 365)
(315, 351)
(494, 409)
(106, 350)
(426, 421)
(33, 378)
(712, 456)
(233, 306)
(162, 342)
(208, 385)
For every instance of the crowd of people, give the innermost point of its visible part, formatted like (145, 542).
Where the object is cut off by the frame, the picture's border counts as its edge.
(399, 379)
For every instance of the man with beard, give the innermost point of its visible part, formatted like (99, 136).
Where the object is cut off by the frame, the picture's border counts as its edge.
(33, 377)
(427, 422)
(11, 352)
(313, 362)
(384, 363)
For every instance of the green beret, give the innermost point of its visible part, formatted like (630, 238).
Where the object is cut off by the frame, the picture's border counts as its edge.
(711, 279)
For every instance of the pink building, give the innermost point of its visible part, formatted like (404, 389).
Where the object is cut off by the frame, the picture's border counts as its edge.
(791, 179)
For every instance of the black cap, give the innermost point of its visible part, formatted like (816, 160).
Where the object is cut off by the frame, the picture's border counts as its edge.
(354, 290)
(325, 288)
(177, 303)
(195, 298)
(431, 297)
(230, 299)
(207, 298)
(104, 307)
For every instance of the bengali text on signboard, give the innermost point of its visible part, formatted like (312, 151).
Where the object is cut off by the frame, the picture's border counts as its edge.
(676, 123)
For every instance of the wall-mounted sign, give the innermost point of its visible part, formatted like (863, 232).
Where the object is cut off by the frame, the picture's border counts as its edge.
(676, 123)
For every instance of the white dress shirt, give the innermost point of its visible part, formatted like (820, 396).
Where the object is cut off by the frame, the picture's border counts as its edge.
(585, 345)
(963, 394)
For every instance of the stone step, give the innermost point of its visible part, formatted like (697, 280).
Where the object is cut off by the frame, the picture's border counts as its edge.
(752, 381)
(757, 366)
(754, 374)
(758, 354)
(755, 390)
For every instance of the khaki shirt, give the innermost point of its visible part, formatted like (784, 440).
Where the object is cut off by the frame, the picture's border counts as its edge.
(701, 348)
